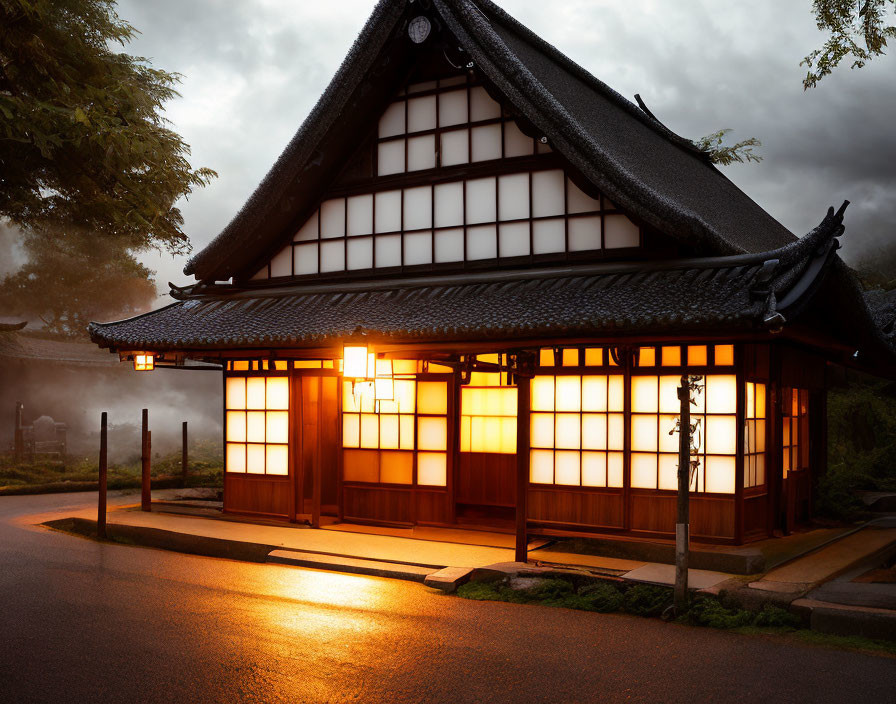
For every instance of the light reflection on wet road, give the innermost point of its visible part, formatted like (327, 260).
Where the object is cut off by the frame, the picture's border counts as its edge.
(82, 621)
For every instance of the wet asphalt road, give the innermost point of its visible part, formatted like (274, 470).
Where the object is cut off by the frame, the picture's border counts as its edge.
(84, 622)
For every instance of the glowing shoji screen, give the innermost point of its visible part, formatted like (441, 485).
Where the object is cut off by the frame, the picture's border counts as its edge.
(654, 451)
(257, 425)
(488, 414)
(754, 435)
(521, 214)
(577, 430)
(413, 424)
(445, 124)
(795, 430)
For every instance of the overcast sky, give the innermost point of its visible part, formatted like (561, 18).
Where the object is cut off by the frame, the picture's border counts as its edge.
(252, 70)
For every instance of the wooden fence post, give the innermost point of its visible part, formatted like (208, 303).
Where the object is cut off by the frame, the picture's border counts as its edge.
(183, 455)
(145, 464)
(19, 434)
(101, 501)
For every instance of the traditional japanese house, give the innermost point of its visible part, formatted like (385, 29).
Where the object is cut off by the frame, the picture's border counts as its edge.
(468, 289)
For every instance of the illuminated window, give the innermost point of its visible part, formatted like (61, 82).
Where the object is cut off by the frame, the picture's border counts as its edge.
(144, 362)
(754, 435)
(654, 444)
(382, 439)
(795, 430)
(577, 430)
(257, 425)
(488, 418)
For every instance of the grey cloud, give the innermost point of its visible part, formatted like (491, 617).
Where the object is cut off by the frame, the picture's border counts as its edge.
(253, 70)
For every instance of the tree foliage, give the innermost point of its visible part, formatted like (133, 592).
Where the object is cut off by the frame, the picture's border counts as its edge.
(725, 154)
(82, 140)
(857, 29)
(68, 281)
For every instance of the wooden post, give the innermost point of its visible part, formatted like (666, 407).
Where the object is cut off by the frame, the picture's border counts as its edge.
(101, 500)
(19, 434)
(145, 464)
(318, 456)
(684, 480)
(521, 553)
(184, 458)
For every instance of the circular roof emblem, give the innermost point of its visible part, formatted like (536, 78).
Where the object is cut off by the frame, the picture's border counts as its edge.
(419, 29)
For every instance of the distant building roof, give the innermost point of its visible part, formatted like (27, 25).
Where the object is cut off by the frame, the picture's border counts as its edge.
(15, 345)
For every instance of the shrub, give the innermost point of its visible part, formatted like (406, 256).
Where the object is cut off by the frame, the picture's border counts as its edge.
(775, 617)
(710, 611)
(646, 600)
(602, 597)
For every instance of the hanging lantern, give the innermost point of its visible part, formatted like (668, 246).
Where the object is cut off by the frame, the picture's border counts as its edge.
(356, 362)
(144, 362)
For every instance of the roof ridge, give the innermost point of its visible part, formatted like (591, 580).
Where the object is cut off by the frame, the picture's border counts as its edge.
(637, 111)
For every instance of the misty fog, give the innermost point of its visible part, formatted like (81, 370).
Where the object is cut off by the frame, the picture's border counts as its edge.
(77, 395)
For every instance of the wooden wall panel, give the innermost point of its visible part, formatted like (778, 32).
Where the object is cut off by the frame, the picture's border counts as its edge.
(756, 514)
(257, 495)
(583, 508)
(433, 507)
(653, 512)
(377, 504)
(486, 479)
(710, 517)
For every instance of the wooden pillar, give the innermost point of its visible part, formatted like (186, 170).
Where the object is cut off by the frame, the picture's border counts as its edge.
(184, 457)
(741, 410)
(521, 553)
(101, 500)
(145, 464)
(684, 481)
(19, 432)
(318, 456)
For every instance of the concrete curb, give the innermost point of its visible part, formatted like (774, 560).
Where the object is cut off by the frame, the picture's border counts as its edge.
(352, 565)
(843, 620)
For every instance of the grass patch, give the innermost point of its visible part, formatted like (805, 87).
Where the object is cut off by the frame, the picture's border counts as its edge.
(602, 597)
(82, 473)
(638, 599)
(720, 612)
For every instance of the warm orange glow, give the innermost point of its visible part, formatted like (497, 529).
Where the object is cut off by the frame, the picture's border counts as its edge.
(144, 362)
(724, 355)
(546, 357)
(647, 357)
(594, 357)
(570, 357)
(697, 355)
(671, 356)
(355, 361)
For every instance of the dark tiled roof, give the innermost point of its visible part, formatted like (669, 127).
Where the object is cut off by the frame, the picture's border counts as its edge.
(14, 345)
(625, 152)
(700, 295)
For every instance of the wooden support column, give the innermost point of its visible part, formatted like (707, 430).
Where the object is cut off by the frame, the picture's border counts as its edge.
(145, 463)
(184, 457)
(101, 500)
(521, 553)
(318, 456)
(684, 481)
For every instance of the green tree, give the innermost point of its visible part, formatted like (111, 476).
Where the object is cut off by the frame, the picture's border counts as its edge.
(82, 140)
(725, 154)
(857, 28)
(68, 281)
